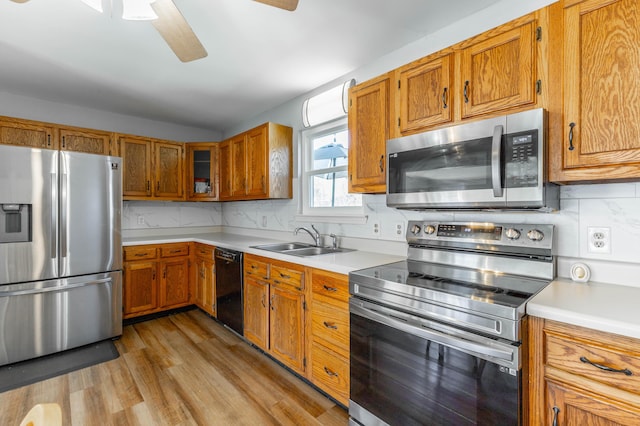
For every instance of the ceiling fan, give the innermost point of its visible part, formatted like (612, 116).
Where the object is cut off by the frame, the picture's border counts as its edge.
(177, 32)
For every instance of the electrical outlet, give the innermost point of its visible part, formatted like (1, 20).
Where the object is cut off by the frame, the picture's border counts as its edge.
(140, 219)
(599, 239)
(375, 228)
(399, 229)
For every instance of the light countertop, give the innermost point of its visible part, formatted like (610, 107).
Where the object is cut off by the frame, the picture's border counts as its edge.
(342, 263)
(605, 307)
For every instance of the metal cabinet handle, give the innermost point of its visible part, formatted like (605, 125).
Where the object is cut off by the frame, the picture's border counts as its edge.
(330, 325)
(571, 126)
(330, 373)
(148, 187)
(381, 163)
(466, 92)
(63, 142)
(331, 289)
(556, 410)
(444, 98)
(271, 302)
(140, 254)
(285, 276)
(625, 371)
(263, 305)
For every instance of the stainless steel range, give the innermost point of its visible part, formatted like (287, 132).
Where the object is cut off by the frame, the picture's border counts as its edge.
(440, 339)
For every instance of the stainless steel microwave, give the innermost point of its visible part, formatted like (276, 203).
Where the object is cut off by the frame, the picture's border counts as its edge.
(497, 163)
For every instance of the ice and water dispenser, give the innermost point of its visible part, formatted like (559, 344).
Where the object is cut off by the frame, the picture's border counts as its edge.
(15, 223)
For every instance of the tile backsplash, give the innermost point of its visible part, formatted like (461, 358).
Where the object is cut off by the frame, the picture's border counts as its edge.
(613, 206)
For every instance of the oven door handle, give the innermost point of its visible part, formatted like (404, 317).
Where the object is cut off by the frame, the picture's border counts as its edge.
(397, 322)
(496, 154)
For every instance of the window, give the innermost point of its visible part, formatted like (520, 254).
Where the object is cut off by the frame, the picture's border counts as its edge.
(324, 173)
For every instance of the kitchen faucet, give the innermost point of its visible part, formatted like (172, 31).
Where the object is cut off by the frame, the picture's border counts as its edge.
(315, 235)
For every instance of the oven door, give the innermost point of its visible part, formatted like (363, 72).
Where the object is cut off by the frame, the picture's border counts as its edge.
(406, 370)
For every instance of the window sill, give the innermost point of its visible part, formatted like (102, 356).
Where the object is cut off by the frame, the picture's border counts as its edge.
(350, 219)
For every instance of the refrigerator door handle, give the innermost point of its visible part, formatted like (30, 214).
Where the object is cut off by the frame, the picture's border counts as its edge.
(56, 288)
(63, 206)
(54, 215)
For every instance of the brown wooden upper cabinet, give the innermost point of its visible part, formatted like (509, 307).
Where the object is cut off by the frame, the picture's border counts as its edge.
(152, 169)
(87, 140)
(202, 171)
(598, 136)
(426, 92)
(29, 133)
(498, 68)
(370, 114)
(257, 164)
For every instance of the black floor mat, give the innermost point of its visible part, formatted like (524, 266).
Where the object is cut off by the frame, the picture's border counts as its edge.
(31, 371)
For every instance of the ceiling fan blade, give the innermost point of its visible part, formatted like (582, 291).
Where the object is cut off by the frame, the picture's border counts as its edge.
(176, 31)
(282, 4)
(19, 1)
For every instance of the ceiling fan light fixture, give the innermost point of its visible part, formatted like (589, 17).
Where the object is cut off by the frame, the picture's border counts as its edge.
(138, 10)
(94, 4)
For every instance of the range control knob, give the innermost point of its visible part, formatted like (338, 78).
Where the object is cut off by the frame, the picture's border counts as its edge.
(415, 229)
(512, 233)
(535, 235)
(429, 229)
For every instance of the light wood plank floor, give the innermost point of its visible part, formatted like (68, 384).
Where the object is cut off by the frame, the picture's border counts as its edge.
(183, 369)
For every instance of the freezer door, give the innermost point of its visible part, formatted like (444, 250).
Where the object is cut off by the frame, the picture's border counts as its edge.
(44, 317)
(90, 207)
(28, 178)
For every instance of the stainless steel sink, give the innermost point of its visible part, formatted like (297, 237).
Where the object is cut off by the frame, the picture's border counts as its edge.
(280, 247)
(300, 249)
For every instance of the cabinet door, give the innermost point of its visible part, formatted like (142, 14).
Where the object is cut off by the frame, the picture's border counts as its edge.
(136, 165)
(202, 172)
(238, 166)
(209, 288)
(84, 140)
(140, 289)
(256, 312)
(287, 327)
(174, 284)
(369, 119)
(168, 170)
(224, 168)
(601, 129)
(571, 407)
(426, 97)
(499, 72)
(27, 133)
(257, 159)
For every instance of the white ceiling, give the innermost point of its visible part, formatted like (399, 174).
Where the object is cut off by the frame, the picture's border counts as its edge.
(259, 56)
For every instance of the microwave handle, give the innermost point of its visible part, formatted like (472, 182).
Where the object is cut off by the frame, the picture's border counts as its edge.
(496, 151)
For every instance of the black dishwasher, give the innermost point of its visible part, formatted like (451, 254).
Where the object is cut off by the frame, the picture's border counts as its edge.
(229, 305)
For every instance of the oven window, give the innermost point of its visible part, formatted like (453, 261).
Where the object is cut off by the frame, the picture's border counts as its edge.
(451, 167)
(406, 380)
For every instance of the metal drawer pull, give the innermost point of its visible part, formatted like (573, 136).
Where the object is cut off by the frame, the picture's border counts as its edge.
(626, 371)
(556, 410)
(140, 254)
(331, 289)
(175, 251)
(285, 276)
(254, 266)
(330, 373)
(330, 325)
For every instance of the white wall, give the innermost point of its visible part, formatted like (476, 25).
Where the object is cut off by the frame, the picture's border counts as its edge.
(52, 112)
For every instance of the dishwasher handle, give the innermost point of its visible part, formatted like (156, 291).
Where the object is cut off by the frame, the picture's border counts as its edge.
(230, 256)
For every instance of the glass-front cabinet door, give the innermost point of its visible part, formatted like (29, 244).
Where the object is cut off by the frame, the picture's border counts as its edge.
(202, 179)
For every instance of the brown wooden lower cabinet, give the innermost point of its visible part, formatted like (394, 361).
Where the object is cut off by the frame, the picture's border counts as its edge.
(205, 275)
(274, 309)
(156, 278)
(329, 333)
(582, 376)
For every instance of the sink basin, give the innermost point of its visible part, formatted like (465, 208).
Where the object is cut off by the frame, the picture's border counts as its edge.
(300, 249)
(316, 251)
(280, 247)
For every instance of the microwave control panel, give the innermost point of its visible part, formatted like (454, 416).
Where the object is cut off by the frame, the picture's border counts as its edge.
(521, 159)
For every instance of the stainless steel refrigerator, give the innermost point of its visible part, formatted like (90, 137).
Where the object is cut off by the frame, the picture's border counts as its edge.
(60, 251)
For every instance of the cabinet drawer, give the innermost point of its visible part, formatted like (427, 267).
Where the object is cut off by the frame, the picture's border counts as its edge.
(256, 269)
(203, 250)
(171, 250)
(574, 357)
(331, 324)
(331, 285)
(139, 252)
(330, 371)
(286, 276)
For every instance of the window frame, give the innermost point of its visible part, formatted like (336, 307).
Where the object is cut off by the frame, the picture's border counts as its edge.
(333, 214)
